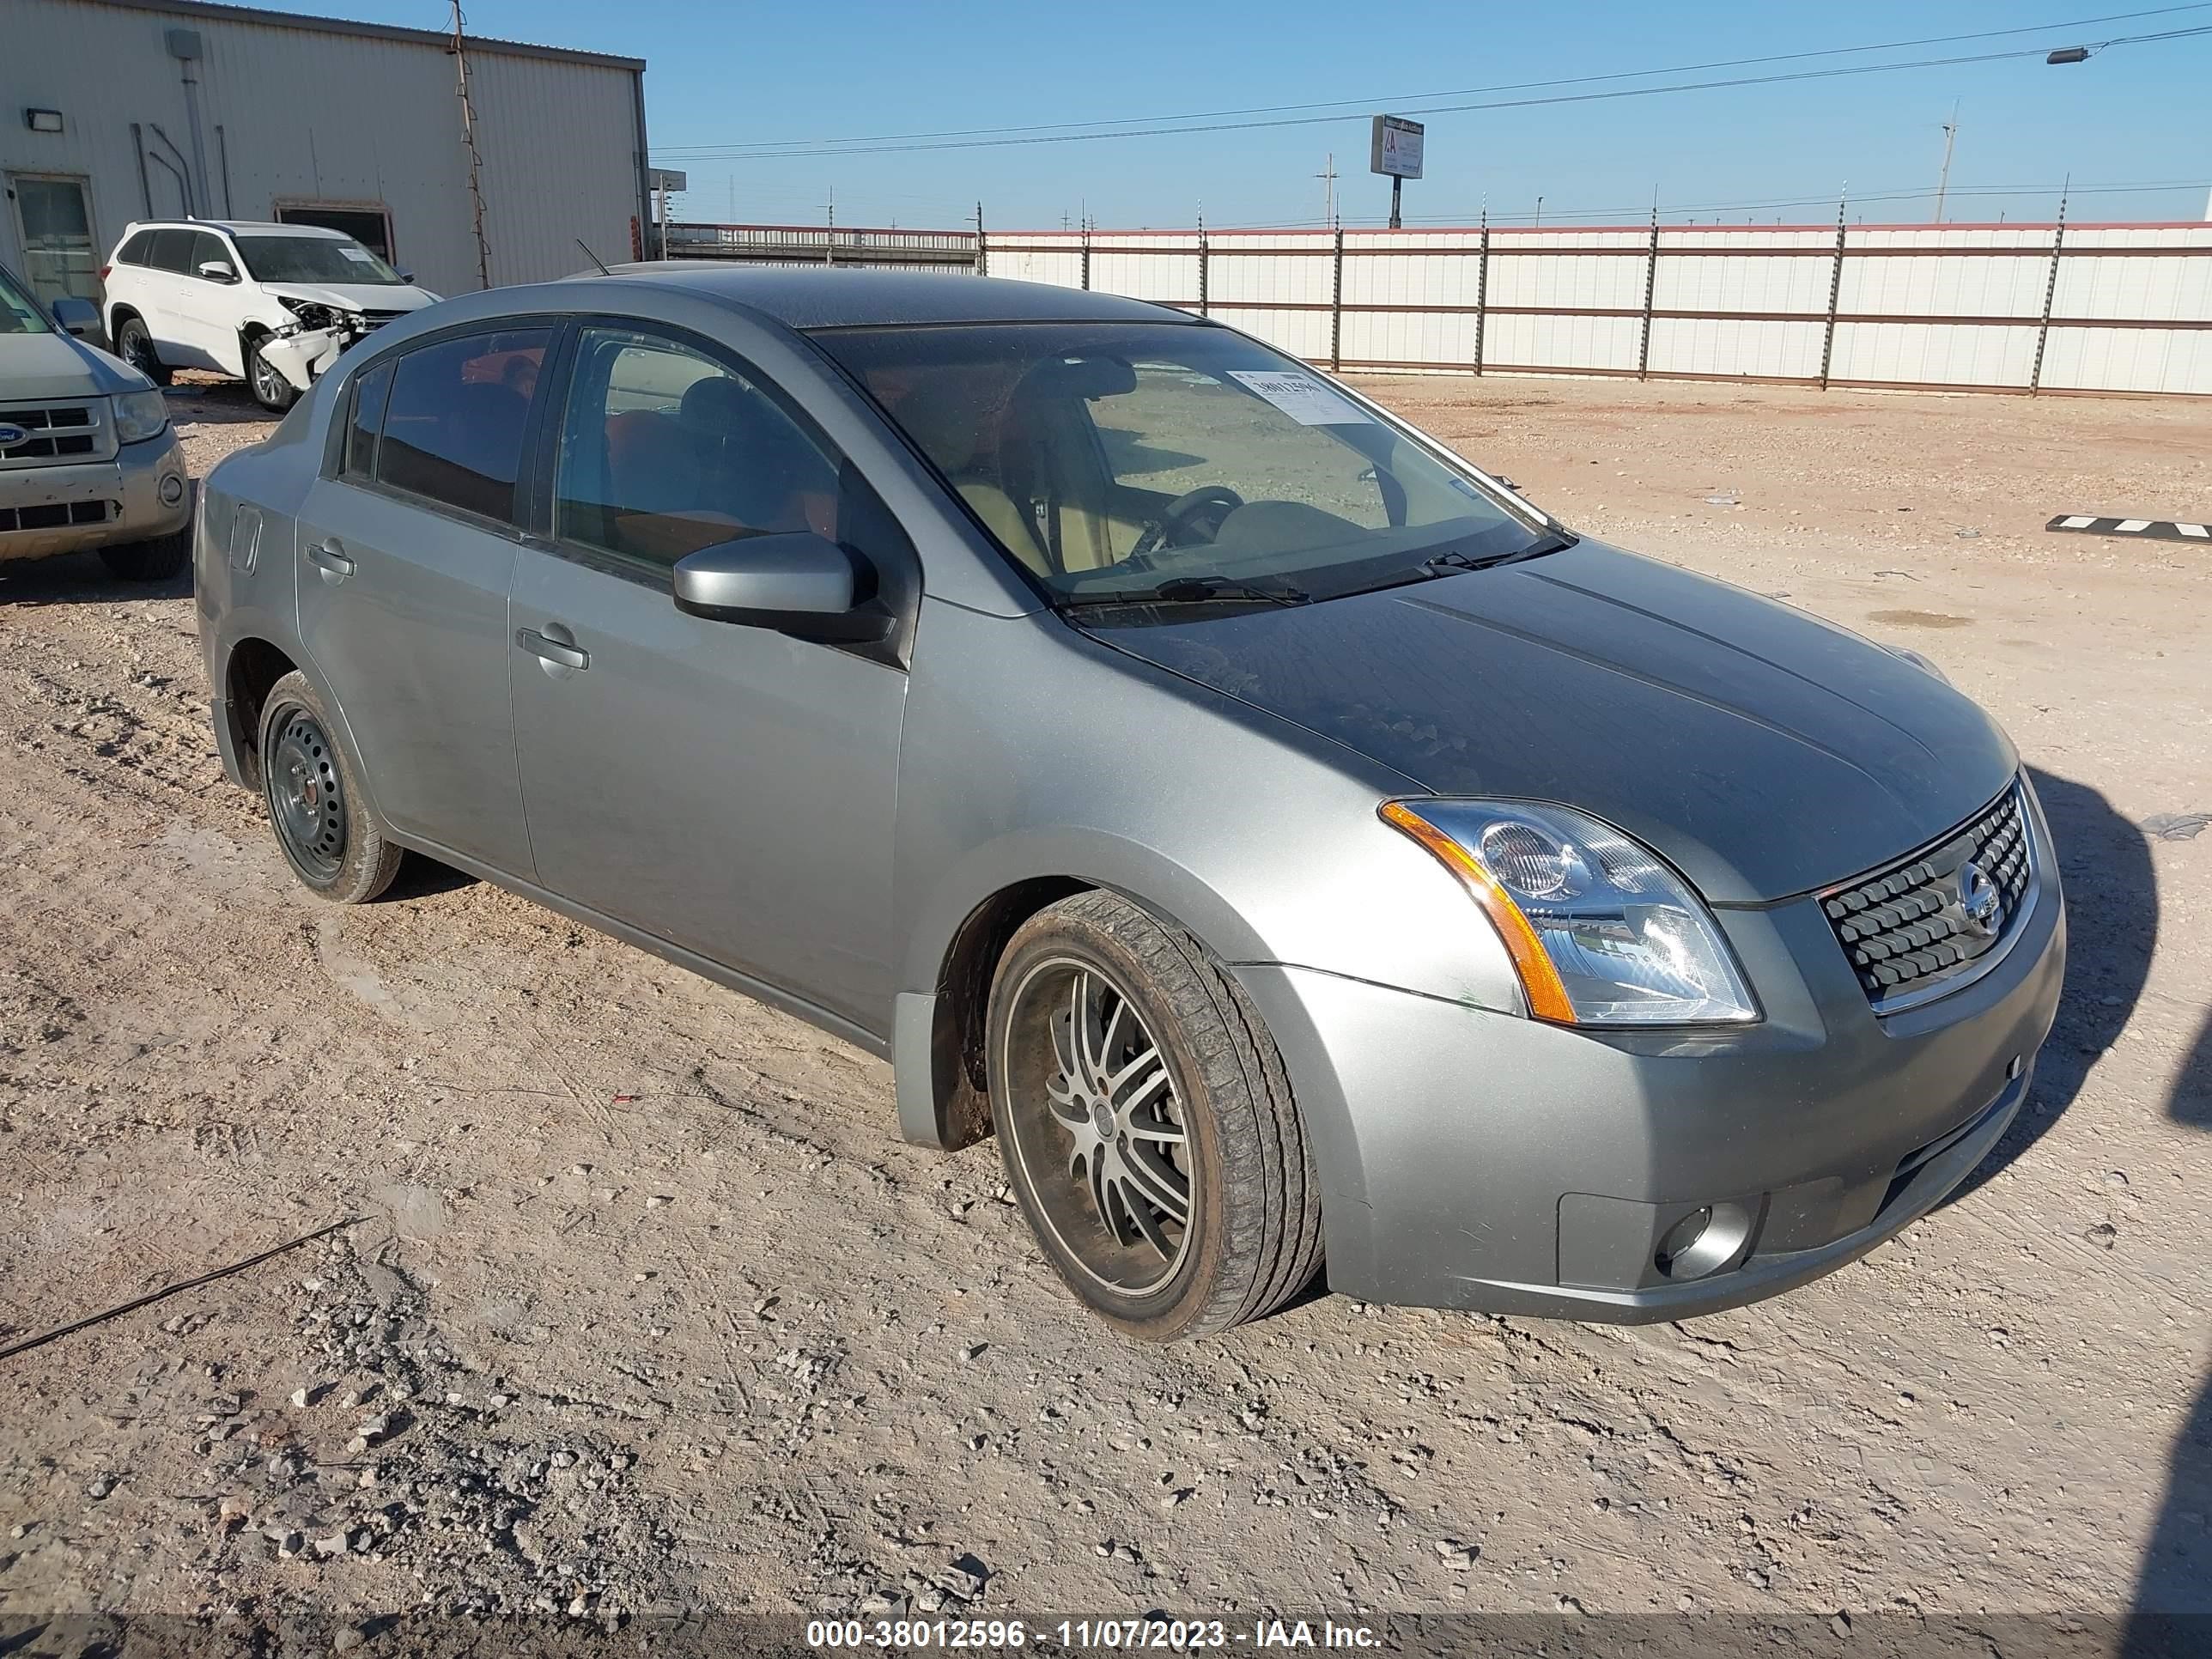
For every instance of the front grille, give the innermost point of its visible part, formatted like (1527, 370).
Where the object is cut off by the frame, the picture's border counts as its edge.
(59, 433)
(1908, 930)
(55, 515)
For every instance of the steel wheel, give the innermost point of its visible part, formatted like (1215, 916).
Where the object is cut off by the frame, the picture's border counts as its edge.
(1099, 1127)
(307, 797)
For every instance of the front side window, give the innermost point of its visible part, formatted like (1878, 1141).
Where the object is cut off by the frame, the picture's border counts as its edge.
(315, 259)
(19, 313)
(207, 250)
(664, 451)
(456, 417)
(1127, 462)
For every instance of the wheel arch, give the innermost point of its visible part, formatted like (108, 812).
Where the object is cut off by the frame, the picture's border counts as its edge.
(937, 1039)
(252, 665)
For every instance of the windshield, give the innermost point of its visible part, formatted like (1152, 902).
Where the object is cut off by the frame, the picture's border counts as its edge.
(315, 259)
(19, 313)
(1124, 462)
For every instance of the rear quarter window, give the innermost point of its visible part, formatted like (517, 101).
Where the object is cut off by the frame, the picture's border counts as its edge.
(135, 249)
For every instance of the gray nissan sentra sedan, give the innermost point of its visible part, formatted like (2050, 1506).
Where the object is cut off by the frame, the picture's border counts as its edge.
(1292, 844)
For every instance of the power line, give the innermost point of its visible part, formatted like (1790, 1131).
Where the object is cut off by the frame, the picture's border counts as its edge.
(1217, 121)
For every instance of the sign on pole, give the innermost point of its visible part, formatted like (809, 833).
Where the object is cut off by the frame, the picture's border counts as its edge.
(670, 180)
(1394, 148)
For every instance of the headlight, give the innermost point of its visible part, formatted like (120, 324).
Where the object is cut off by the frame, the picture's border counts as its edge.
(1600, 932)
(139, 415)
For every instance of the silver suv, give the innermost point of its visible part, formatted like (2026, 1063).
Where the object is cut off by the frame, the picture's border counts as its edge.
(87, 457)
(1286, 840)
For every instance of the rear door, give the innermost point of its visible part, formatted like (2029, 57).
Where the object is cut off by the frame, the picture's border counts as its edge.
(160, 296)
(407, 546)
(727, 789)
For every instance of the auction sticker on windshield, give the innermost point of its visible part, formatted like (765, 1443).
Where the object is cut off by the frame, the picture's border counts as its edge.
(1302, 397)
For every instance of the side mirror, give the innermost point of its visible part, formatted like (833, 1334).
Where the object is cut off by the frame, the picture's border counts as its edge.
(407, 276)
(217, 270)
(77, 316)
(798, 583)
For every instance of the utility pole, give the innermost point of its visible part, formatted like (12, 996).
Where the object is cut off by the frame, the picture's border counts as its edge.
(476, 159)
(1540, 213)
(1327, 176)
(1943, 179)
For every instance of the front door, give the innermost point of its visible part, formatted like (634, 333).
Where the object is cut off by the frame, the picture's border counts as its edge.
(404, 559)
(727, 789)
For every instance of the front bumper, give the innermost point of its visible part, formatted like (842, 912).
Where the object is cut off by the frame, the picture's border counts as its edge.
(1479, 1160)
(129, 489)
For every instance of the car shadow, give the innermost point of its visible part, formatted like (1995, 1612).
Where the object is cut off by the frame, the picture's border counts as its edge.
(81, 579)
(422, 877)
(2169, 1614)
(2112, 925)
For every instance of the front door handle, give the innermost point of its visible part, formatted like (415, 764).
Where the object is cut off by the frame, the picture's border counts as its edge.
(553, 651)
(330, 559)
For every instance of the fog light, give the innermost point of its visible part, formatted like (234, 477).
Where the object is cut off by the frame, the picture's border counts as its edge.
(172, 489)
(1703, 1242)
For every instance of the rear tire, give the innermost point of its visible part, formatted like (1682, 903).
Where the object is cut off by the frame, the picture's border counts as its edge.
(1150, 1138)
(315, 800)
(134, 343)
(268, 385)
(157, 561)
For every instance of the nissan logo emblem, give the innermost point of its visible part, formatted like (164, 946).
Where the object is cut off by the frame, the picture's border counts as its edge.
(1979, 901)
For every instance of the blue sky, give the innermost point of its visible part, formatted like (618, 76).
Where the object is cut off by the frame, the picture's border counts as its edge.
(732, 75)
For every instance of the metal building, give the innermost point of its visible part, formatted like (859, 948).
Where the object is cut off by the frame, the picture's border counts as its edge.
(117, 110)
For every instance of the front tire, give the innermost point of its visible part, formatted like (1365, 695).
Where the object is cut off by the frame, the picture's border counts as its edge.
(1147, 1124)
(134, 343)
(271, 389)
(156, 561)
(315, 800)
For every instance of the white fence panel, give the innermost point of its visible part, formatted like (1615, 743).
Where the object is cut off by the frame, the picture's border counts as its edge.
(2121, 308)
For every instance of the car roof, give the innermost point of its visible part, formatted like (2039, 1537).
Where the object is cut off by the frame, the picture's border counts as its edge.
(237, 227)
(809, 297)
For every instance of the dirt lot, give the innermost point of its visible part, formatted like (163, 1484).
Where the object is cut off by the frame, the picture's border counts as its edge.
(648, 1307)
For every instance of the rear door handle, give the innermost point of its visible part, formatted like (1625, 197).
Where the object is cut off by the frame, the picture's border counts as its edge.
(552, 651)
(329, 558)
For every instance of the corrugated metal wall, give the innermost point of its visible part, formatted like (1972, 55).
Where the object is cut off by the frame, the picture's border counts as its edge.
(294, 114)
(1981, 307)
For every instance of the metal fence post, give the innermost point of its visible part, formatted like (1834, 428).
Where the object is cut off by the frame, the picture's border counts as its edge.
(1651, 287)
(1086, 255)
(2049, 295)
(1482, 289)
(1336, 305)
(1835, 294)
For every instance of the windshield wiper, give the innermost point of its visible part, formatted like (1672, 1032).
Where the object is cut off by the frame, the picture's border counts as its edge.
(1445, 564)
(1195, 590)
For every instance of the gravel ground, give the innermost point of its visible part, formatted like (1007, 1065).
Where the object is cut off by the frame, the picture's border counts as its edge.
(644, 1306)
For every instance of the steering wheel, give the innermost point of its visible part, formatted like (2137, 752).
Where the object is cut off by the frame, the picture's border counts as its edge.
(1180, 511)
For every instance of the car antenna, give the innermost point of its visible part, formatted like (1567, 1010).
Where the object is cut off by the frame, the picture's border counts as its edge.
(594, 258)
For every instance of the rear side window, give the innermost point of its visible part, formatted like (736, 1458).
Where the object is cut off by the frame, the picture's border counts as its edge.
(134, 251)
(171, 250)
(369, 394)
(456, 416)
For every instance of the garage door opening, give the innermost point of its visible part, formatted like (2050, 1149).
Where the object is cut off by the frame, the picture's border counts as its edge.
(370, 226)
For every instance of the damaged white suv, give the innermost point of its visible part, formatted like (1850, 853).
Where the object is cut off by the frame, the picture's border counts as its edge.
(273, 305)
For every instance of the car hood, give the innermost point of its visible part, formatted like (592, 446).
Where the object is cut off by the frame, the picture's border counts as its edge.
(1764, 752)
(54, 366)
(354, 296)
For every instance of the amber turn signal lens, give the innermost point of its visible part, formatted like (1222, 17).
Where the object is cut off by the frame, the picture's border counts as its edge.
(1539, 979)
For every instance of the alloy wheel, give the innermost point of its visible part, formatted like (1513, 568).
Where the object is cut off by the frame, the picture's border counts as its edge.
(1100, 1127)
